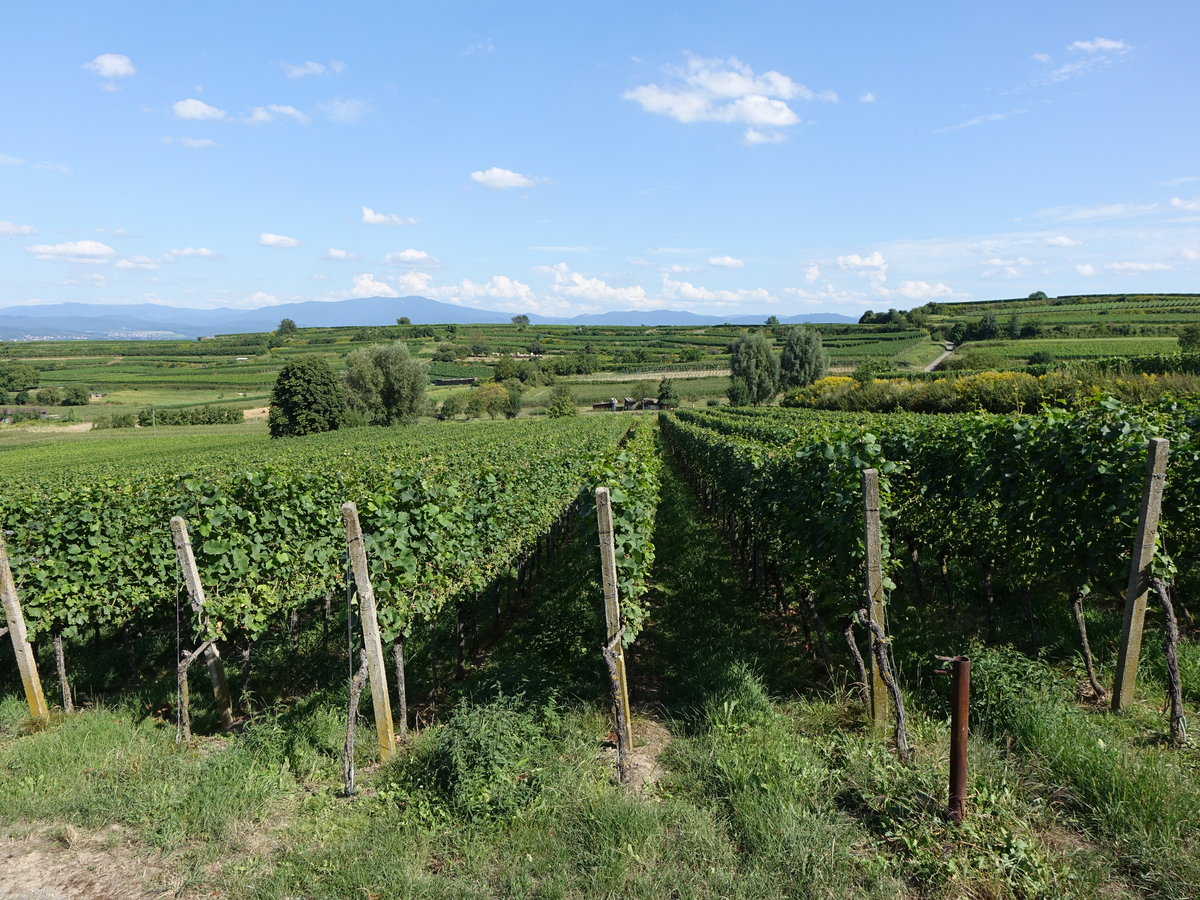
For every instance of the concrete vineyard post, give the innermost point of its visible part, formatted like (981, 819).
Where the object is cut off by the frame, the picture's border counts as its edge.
(877, 702)
(1139, 575)
(372, 645)
(26, 661)
(212, 656)
(612, 626)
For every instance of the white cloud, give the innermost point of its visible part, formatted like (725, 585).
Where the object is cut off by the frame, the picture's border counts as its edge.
(311, 68)
(1137, 266)
(872, 266)
(191, 142)
(1086, 269)
(52, 167)
(1006, 268)
(1095, 213)
(1042, 57)
(811, 273)
(92, 279)
(501, 179)
(266, 239)
(867, 97)
(1189, 253)
(367, 286)
(111, 65)
(345, 110)
(73, 251)
(1098, 45)
(685, 290)
(257, 299)
(1189, 205)
(409, 257)
(370, 217)
(498, 286)
(13, 228)
(921, 290)
(1061, 240)
(581, 287)
(197, 252)
(260, 115)
(724, 90)
(197, 109)
(1175, 182)
(335, 254)
(1091, 55)
(980, 120)
(727, 262)
(136, 262)
(6, 160)
(758, 136)
(415, 282)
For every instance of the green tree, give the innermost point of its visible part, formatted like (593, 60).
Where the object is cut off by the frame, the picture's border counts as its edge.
(1189, 338)
(1012, 328)
(521, 321)
(986, 329)
(386, 383)
(286, 327)
(668, 397)
(772, 320)
(50, 396)
(490, 399)
(803, 359)
(306, 399)
(452, 406)
(404, 320)
(1038, 295)
(76, 395)
(15, 376)
(515, 388)
(562, 403)
(506, 368)
(754, 371)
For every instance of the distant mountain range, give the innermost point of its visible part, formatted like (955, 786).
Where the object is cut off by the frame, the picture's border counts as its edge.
(150, 321)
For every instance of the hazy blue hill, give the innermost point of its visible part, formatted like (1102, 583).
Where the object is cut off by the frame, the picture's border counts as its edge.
(95, 320)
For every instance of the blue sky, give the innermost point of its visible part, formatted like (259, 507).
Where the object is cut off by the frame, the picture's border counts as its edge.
(564, 158)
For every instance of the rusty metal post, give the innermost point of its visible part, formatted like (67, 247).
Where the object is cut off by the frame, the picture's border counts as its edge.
(960, 710)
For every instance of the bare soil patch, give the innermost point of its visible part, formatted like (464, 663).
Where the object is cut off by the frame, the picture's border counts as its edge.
(67, 863)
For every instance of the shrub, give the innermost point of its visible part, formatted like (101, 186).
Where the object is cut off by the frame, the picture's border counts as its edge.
(481, 759)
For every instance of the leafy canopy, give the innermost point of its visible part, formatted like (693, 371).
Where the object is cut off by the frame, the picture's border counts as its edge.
(306, 399)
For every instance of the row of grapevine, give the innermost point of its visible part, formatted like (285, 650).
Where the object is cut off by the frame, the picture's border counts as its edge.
(1047, 502)
(444, 516)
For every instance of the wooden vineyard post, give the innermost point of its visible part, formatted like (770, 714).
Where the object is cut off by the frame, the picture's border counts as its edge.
(614, 650)
(212, 656)
(1139, 575)
(877, 703)
(372, 645)
(26, 661)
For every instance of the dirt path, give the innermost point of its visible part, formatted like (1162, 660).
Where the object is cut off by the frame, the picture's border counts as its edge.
(937, 362)
(65, 863)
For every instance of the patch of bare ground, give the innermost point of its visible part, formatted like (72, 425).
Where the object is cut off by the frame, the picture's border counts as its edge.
(650, 738)
(257, 414)
(68, 863)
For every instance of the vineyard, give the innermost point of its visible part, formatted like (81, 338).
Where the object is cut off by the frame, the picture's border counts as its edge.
(755, 636)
